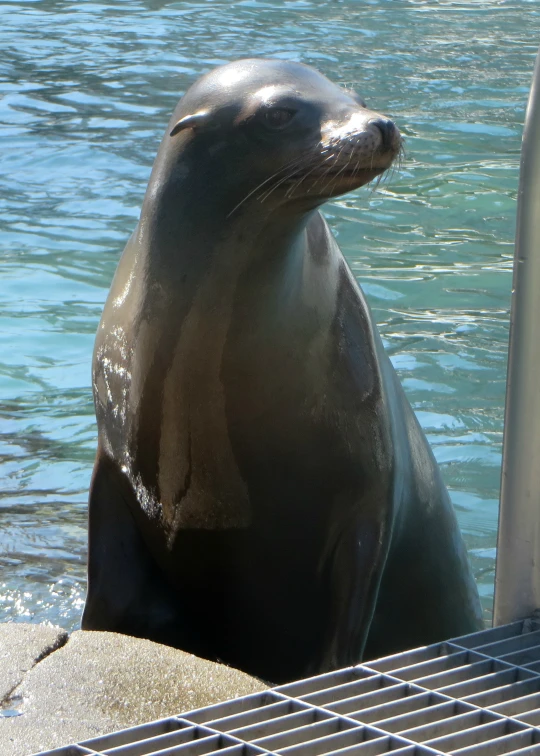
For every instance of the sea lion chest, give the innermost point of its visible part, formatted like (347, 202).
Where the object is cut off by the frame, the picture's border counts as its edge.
(256, 386)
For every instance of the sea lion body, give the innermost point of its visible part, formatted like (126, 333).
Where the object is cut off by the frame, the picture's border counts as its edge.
(263, 493)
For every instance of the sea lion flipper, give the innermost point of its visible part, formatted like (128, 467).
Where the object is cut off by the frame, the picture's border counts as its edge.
(125, 592)
(355, 568)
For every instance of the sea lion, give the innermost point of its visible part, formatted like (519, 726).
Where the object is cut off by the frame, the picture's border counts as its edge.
(263, 493)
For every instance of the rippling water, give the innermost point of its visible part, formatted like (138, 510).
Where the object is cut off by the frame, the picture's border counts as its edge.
(86, 89)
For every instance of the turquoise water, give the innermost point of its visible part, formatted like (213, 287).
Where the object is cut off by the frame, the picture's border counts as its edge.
(86, 90)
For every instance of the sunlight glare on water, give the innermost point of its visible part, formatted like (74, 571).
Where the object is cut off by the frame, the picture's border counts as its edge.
(86, 90)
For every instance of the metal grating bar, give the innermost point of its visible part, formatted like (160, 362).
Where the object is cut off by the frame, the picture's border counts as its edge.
(457, 722)
(410, 701)
(71, 750)
(444, 718)
(486, 733)
(511, 686)
(518, 742)
(478, 695)
(290, 723)
(144, 732)
(243, 720)
(204, 738)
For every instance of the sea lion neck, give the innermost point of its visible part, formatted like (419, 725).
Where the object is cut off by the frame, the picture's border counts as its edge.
(174, 239)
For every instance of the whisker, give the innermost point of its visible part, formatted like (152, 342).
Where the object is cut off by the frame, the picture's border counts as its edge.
(313, 159)
(297, 183)
(263, 197)
(327, 186)
(323, 175)
(266, 181)
(294, 164)
(324, 159)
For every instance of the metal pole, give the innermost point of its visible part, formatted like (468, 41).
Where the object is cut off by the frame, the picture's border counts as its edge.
(517, 577)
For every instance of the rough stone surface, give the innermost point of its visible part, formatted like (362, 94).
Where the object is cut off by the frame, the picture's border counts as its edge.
(100, 682)
(21, 646)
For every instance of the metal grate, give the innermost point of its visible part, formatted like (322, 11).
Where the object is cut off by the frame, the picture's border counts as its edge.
(478, 694)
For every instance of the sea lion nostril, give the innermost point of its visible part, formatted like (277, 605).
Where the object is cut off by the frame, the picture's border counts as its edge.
(387, 129)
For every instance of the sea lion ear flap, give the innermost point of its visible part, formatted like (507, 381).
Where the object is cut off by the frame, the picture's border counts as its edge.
(195, 121)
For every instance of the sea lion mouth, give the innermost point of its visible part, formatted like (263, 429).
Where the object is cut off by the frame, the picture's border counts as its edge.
(340, 164)
(355, 157)
(330, 168)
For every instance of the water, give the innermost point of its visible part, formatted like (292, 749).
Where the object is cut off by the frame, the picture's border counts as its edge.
(86, 91)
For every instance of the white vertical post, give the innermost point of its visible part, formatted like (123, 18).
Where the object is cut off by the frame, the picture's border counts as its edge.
(517, 578)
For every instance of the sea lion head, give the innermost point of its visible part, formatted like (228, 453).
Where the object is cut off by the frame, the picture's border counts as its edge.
(274, 132)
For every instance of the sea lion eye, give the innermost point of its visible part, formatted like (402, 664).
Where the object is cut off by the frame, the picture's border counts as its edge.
(278, 118)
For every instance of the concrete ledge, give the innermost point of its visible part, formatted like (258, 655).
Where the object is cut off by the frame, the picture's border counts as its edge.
(100, 682)
(21, 647)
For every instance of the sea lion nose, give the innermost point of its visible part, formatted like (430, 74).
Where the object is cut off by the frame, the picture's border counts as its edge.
(388, 131)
